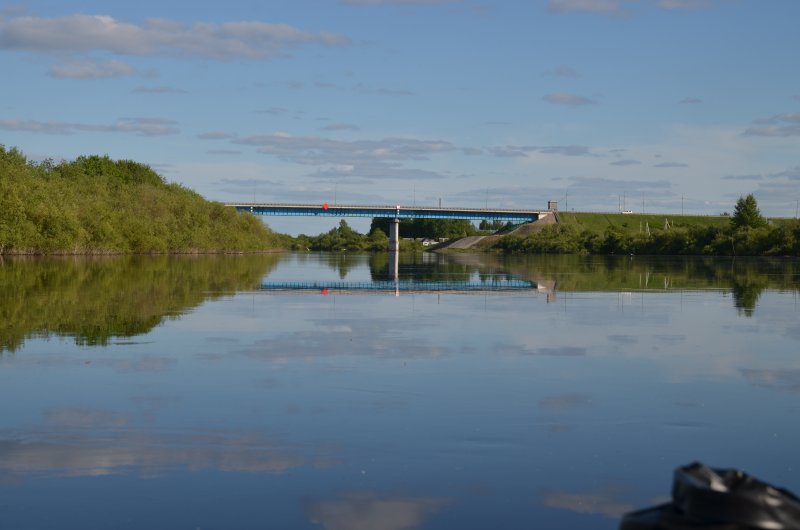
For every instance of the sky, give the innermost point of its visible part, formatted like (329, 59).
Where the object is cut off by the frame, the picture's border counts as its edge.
(646, 105)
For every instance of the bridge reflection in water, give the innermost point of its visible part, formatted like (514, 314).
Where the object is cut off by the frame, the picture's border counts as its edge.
(392, 281)
(405, 286)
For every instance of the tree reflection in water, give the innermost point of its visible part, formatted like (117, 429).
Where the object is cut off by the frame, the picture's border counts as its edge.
(96, 299)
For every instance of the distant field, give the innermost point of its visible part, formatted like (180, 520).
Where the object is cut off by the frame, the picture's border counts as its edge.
(598, 222)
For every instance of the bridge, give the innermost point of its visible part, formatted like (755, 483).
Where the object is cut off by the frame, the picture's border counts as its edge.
(391, 212)
(396, 213)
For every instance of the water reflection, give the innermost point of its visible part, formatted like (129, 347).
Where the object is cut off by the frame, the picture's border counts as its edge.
(97, 299)
(82, 454)
(349, 412)
(369, 511)
(605, 503)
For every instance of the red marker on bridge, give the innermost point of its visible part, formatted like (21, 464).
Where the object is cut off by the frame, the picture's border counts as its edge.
(324, 291)
(325, 206)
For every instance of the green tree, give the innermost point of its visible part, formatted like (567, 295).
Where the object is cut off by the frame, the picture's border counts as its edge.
(746, 213)
(491, 225)
(432, 228)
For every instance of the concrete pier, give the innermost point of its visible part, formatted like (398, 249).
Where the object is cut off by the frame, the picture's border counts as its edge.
(394, 235)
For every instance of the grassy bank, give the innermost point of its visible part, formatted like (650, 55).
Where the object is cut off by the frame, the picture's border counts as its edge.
(599, 223)
(599, 233)
(95, 205)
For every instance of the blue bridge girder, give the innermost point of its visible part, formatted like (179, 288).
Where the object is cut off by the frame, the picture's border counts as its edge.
(391, 212)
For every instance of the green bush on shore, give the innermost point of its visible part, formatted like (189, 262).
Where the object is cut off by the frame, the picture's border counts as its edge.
(95, 205)
(778, 239)
(343, 237)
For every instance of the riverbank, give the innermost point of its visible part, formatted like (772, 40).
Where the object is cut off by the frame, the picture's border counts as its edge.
(98, 206)
(667, 235)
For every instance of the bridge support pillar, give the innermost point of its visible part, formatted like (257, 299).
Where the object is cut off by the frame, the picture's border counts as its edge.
(394, 235)
(394, 266)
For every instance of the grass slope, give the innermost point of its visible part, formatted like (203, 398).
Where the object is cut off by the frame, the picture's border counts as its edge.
(597, 223)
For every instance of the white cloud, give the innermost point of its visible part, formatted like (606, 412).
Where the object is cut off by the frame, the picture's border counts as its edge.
(600, 184)
(157, 90)
(314, 150)
(274, 111)
(138, 126)
(564, 98)
(507, 152)
(90, 33)
(619, 7)
(524, 150)
(361, 89)
(774, 131)
(215, 135)
(340, 127)
(374, 171)
(710, 152)
(743, 177)
(379, 159)
(790, 117)
(690, 101)
(779, 125)
(90, 70)
(13, 10)
(791, 174)
(223, 152)
(684, 4)
(591, 6)
(563, 71)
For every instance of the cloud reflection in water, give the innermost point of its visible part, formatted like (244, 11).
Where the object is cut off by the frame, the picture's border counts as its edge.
(368, 511)
(80, 455)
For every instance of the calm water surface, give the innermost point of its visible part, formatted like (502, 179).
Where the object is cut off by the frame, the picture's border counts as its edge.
(304, 391)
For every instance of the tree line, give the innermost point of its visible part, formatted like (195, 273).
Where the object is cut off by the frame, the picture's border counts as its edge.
(96, 205)
(343, 237)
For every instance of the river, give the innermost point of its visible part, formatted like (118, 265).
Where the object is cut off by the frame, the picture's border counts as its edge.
(324, 391)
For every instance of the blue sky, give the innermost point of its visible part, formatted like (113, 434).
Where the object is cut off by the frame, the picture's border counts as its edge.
(670, 103)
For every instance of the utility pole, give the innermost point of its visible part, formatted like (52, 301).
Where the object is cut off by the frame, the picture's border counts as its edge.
(486, 206)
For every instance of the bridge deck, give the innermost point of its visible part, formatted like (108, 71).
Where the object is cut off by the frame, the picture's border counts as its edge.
(392, 212)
